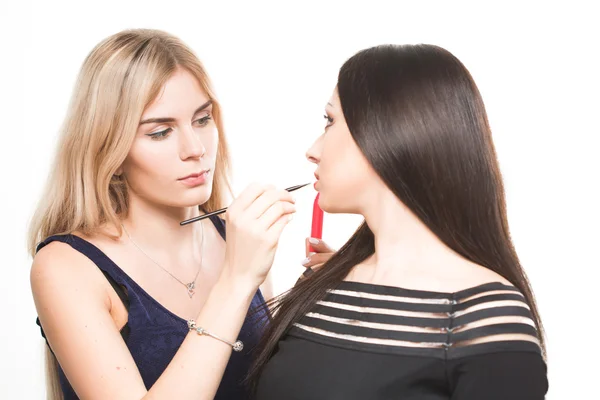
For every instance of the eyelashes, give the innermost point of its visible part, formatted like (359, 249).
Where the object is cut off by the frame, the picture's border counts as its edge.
(202, 122)
(160, 135)
(329, 121)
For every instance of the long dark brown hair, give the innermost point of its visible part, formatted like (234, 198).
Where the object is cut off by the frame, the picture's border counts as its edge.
(419, 119)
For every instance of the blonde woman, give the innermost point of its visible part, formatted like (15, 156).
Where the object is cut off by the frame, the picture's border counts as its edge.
(131, 304)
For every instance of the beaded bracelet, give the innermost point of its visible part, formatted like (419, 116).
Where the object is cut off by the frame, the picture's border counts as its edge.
(237, 346)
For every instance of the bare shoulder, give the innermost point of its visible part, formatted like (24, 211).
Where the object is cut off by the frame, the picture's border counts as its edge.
(58, 266)
(468, 275)
(474, 275)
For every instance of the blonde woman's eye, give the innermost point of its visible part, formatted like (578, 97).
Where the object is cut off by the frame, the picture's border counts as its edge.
(204, 120)
(159, 135)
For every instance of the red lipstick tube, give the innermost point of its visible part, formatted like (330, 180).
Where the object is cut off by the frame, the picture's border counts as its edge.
(316, 230)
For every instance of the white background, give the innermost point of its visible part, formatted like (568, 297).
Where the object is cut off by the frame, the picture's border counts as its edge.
(274, 66)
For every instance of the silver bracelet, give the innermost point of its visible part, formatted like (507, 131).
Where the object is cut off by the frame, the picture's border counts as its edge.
(237, 346)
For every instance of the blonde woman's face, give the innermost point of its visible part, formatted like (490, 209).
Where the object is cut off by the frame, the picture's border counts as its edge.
(171, 162)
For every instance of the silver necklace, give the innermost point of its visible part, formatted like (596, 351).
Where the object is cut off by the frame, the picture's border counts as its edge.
(191, 286)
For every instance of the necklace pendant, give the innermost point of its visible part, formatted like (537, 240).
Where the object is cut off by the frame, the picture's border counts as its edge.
(191, 289)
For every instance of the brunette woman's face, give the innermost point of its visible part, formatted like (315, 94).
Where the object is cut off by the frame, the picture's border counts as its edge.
(343, 173)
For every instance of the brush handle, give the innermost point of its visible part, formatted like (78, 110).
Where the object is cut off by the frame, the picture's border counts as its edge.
(222, 210)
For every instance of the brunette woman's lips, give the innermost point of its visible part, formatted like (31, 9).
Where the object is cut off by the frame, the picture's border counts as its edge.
(194, 180)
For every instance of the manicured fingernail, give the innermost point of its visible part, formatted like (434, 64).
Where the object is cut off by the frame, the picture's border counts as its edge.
(314, 241)
(290, 217)
(306, 261)
(311, 253)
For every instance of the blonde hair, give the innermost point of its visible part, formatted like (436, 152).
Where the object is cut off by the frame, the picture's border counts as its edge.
(120, 77)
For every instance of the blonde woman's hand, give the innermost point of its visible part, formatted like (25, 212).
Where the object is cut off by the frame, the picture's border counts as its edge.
(255, 221)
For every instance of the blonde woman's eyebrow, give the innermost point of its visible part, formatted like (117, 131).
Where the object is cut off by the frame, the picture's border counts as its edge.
(167, 119)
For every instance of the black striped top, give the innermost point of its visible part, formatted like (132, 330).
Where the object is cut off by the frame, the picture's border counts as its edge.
(365, 341)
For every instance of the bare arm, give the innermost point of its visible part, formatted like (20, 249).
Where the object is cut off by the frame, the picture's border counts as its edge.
(198, 366)
(267, 287)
